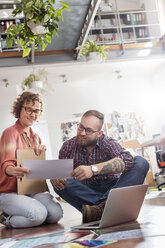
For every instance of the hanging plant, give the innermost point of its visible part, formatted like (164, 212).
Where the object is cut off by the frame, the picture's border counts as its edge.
(90, 47)
(36, 80)
(36, 12)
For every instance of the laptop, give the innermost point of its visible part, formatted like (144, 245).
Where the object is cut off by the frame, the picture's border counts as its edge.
(122, 205)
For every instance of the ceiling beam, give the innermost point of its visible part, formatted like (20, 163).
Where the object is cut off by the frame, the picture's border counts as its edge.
(10, 54)
(135, 45)
(108, 47)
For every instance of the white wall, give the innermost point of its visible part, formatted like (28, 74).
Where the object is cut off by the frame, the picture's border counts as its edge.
(161, 4)
(121, 86)
(7, 96)
(126, 4)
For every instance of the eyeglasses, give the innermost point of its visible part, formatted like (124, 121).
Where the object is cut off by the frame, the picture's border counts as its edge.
(30, 111)
(88, 131)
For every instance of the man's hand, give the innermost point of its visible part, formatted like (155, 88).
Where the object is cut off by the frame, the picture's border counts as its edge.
(82, 172)
(18, 172)
(39, 149)
(59, 184)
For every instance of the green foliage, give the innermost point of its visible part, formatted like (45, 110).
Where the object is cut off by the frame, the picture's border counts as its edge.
(41, 75)
(38, 11)
(91, 46)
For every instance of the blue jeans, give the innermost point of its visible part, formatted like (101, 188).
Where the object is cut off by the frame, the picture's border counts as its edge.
(28, 211)
(78, 194)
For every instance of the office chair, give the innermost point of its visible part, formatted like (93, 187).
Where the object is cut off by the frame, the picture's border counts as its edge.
(160, 176)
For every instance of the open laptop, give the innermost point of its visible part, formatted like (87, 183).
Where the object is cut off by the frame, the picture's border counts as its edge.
(122, 205)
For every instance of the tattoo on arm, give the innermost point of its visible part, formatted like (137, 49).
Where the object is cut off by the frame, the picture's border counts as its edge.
(113, 166)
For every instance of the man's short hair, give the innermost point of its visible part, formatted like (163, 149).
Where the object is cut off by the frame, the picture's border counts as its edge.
(97, 114)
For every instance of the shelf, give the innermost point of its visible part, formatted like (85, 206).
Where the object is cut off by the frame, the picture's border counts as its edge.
(139, 25)
(125, 26)
(120, 12)
(105, 31)
(108, 27)
(7, 19)
(14, 48)
(11, 18)
(8, 2)
(106, 15)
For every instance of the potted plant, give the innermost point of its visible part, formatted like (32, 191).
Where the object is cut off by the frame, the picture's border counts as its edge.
(92, 49)
(36, 81)
(36, 12)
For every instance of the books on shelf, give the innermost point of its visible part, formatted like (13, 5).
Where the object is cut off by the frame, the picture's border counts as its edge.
(141, 33)
(129, 20)
(138, 18)
(131, 25)
(5, 24)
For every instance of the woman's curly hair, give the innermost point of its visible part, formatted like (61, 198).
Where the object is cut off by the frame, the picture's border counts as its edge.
(25, 97)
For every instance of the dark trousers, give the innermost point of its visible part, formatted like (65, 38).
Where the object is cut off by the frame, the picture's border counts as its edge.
(78, 194)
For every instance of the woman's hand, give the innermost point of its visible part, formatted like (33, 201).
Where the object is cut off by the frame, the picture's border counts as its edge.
(18, 172)
(39, 149)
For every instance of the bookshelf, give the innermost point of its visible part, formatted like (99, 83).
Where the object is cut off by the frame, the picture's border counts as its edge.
(6, 19)
(130, 25)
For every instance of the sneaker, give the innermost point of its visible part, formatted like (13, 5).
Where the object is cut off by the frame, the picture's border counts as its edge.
(92, 213)
(3, 218)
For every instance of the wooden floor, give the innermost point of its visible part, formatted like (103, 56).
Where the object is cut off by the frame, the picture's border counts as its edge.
(151, 222)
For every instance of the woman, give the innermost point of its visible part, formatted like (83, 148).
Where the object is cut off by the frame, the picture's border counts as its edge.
(20, 211)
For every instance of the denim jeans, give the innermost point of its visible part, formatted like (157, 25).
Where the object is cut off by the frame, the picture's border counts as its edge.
(78, 194)
(32, 210)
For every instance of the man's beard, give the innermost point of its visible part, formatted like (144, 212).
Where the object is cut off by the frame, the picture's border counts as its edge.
(85, 143)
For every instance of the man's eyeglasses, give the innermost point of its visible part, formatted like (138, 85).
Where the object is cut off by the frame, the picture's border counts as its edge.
(88, 131)
(29, 110)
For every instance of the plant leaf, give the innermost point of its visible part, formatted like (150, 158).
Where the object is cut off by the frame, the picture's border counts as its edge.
(29, 4)
(21, 42)
(29, 15)
(55, 31)
(46, 18)
(26, 52)
(17, 11)
(39, 11)
(9, 42)
(37, 3)
(65, 5)
(44, 45)
(48, 38)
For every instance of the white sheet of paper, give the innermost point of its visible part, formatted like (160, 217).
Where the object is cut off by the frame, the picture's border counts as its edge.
(49, 169)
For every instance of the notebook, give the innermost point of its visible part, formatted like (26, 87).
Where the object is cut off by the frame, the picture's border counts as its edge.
(24, 185)
(122, 205)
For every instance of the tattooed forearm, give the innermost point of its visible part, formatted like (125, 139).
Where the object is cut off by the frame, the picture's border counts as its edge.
(113, 166)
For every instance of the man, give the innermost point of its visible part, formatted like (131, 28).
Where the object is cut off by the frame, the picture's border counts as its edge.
(100, 164)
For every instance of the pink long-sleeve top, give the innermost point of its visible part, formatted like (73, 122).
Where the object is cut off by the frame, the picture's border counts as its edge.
(11, 140)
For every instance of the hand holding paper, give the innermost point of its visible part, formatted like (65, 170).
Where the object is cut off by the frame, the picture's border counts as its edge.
(19, 171)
